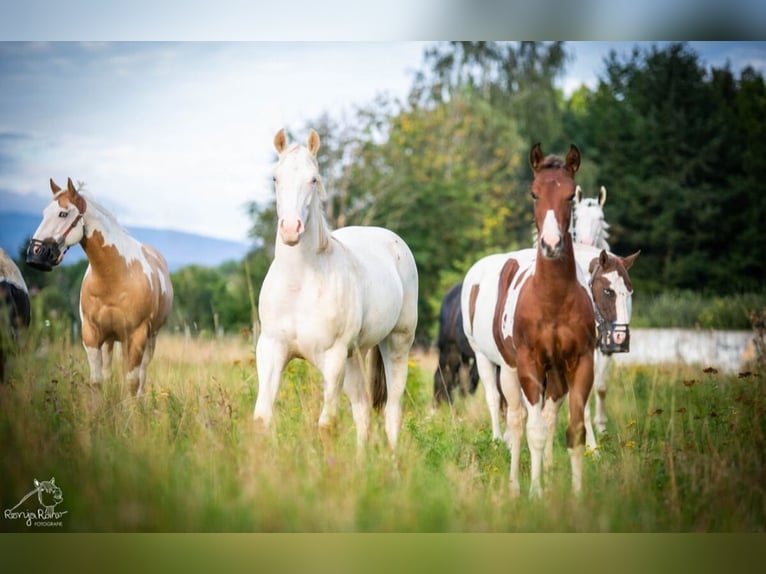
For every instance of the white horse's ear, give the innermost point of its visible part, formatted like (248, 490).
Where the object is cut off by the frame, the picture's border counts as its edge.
(313, 142)
(578, 194)
(53, 481)
(280, 141)
(602, 196)
(37, 483)
(54, 188)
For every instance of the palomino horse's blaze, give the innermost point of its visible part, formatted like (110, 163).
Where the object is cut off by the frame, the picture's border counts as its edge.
(126, 294)
(454, 351)
(14, 307)
(330, 297)
(532, 315)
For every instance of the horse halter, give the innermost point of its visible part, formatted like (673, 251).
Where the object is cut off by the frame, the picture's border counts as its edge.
(606, 330)
(46, 253)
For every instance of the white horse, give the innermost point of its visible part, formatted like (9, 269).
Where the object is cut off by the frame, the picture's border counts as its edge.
(330, 297)
(590, 226)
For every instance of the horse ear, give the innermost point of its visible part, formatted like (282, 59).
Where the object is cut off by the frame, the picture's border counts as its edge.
(280, 141)
(572, 161)
(578, 194)
(628, 261)
(536, 156)
(37, 483)
(54, 188)
(70, 187)
(53, 481)
(602, 196)
(603, 258)
(313, 142)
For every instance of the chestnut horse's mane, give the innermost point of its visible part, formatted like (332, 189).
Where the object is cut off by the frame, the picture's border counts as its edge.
(551, 162)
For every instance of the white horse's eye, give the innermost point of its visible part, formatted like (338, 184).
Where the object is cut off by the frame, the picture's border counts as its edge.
(314, 180)
(63, 213)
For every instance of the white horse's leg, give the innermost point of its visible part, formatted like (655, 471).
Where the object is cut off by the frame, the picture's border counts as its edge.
(536, 434)
(551, 417)
(356, 391)
(148, 354)
(395, 352)
(270, 357)
(602, 363)
(333, 368)
(487, 374)
(515, 417)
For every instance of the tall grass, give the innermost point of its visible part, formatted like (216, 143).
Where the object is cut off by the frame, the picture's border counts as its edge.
(684, 452)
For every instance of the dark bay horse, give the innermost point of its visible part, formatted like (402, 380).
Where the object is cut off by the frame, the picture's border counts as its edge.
(454, 351)
(14, 307)
(532, 315)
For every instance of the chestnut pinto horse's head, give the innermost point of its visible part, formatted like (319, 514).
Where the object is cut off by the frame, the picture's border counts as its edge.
(612, 298)
(62, 226)
(553, 191)
(297, 183)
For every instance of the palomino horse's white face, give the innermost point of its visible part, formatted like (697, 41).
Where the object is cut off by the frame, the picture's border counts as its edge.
(589, 217)
(62, 226)
(298, 184)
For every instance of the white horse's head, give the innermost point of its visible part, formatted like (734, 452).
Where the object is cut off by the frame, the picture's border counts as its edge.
(298, 186)
(62, 226)
(590, 227)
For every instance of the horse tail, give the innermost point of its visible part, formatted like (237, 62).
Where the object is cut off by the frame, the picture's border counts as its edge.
(378, 379)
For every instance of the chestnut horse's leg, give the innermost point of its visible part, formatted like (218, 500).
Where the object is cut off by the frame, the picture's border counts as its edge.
(581, 381)
(530, 378)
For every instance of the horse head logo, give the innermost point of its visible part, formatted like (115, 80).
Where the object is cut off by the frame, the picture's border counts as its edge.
(48, 494)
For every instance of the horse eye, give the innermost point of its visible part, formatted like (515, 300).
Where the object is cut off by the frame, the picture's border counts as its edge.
(534, 195)
(314, 180)
(609, 292)
(63, 213)
(274, 178)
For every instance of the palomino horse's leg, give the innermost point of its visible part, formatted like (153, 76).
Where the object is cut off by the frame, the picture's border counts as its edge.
(92, 345)
(395, 351)
(145, 360)
(270, 359)
(137, 345)
(107, 349)
(356, 391)
(487, 374)
(516, 414)
(599, 383)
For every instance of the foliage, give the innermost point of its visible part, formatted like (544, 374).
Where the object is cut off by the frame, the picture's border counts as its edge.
(682, 453)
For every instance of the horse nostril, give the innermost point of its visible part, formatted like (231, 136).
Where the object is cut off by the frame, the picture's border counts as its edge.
(619, 337)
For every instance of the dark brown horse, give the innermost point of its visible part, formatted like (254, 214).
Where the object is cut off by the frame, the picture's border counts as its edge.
(531, 314)
(454, 351)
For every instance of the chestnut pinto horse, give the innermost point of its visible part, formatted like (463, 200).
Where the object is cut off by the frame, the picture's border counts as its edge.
(532, 315)
(332, 297)
(126, 294)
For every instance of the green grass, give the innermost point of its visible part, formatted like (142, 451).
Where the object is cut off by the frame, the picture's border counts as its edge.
(684, 452)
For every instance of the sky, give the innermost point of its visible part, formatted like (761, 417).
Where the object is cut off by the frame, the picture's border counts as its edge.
(179, 134)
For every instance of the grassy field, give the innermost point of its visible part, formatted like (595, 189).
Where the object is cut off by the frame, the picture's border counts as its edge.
(684, 452)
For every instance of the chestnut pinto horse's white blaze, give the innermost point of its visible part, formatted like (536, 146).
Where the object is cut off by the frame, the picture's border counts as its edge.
(531, 314)
(126, 293)
(330, 298)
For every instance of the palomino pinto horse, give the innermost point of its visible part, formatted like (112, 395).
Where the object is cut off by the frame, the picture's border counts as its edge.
(14, 307)
(533, 316)
(126, 294)
(454, 350)
(330, 297)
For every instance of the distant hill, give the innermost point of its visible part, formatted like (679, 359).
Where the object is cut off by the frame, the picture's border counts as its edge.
(179, 248)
